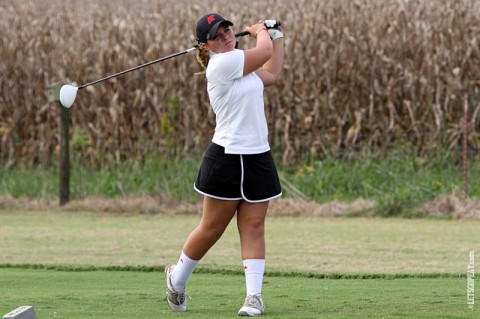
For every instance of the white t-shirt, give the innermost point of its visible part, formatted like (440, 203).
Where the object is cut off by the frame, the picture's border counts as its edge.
(237, 101)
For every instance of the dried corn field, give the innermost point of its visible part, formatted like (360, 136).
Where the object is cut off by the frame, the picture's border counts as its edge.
(359, 76)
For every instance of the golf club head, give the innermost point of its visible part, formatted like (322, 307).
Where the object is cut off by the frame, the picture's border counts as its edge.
(68, 93)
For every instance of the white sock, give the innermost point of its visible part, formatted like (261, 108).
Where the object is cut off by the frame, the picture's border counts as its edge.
(183, 270)
(254, 270)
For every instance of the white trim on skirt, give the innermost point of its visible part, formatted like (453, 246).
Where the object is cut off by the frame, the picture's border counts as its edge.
(241, 190)
(213, 196)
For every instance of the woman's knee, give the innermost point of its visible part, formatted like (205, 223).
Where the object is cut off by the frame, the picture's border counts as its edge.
(252, 226)
(212, 230)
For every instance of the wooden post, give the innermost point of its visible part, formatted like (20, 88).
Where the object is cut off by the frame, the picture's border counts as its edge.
(65, 156)
(64, 183)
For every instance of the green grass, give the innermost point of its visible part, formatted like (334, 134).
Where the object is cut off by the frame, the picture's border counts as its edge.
(90, 265)
(113, 294)
(323, 245)
(397, 181)
(157, 176)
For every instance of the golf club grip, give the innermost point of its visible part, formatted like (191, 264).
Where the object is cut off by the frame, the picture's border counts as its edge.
(242, 34)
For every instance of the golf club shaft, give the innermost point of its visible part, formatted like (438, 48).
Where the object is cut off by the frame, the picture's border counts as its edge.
(138, 67)
(241, 34)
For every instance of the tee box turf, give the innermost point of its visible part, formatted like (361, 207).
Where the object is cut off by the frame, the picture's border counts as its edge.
(23, 312)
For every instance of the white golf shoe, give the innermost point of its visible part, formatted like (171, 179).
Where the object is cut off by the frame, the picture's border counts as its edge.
(252, 307)
(175, 299)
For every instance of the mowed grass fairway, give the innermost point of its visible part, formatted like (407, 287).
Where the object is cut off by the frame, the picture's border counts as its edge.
(90, 265)
(125, 294)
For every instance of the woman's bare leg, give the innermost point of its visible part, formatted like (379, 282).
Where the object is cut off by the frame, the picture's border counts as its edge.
(216, 216)
(251, 226)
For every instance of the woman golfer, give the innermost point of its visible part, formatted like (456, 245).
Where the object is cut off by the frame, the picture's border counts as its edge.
(237, 174)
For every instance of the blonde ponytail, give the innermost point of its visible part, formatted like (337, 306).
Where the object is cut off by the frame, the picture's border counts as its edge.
(203, 55)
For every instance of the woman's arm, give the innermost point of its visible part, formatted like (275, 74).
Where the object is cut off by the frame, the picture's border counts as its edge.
(255, 58)
(270, 72)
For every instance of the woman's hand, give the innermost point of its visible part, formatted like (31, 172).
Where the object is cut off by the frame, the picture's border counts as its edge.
(255, 29)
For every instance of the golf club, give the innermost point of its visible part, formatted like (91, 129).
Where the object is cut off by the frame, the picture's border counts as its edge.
(68, 93)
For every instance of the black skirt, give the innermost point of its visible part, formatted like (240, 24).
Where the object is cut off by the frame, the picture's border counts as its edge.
(251, 177)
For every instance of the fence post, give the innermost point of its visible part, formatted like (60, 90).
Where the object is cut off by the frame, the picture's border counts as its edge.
(64, 185)
(465, 146)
